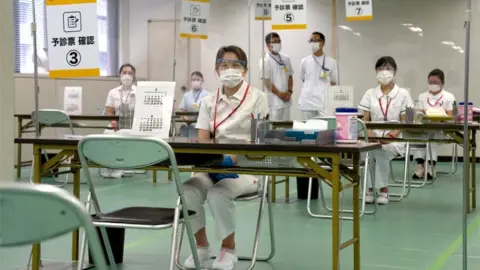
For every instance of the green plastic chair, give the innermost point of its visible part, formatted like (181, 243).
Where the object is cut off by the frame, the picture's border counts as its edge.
(54, 212)
(132, 153)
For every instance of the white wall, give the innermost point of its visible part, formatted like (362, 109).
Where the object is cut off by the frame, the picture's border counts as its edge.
(228, 26)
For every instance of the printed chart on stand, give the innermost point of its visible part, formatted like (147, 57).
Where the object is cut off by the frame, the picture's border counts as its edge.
(153, 109)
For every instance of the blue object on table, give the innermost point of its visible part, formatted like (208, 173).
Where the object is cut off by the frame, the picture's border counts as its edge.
(217, 177)
(300, 135)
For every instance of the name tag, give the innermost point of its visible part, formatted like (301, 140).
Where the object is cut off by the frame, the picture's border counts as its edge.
(285, 68)
(323, 75)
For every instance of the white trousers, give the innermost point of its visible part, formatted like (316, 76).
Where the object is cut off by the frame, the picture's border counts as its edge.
(220, 198)
(280, 114)
(424, 154)
(382, 158)
(307, 115)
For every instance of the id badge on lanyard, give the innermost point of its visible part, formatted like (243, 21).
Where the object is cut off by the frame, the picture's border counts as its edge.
(385, 112)
(217, 125)
(436, 102)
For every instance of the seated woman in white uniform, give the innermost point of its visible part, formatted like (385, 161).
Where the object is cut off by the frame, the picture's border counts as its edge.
(121, 102)
(386, 102)
(191, 103)
(435, 97)
(224, 114)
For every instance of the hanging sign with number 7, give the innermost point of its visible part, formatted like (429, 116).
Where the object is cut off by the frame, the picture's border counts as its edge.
(359, 10)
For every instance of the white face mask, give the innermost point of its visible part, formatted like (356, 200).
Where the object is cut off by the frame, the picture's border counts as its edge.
(385, 77)
(434, 88)
(127, 80)
(231, 77)
(196, 85)
(315, 46)
(276, 47)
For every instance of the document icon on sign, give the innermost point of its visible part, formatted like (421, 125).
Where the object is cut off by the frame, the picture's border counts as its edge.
(72, 21)
(195, 10)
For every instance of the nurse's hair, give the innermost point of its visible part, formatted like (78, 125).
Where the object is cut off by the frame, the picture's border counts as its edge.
(241, 55)
(386, 61)
(322, 36)
(198, 74)
(437, 73)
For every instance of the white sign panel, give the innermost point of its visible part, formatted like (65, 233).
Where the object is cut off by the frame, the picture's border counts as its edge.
(195, 18)
(338, 97)
(72, 38)
(360, 10)
(263, 10)
(72, 100)
(153, 109)
(289, 14)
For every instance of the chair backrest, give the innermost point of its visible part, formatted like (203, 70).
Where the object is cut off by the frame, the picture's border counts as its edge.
(124, 152)
(51, 117)
(52, 210)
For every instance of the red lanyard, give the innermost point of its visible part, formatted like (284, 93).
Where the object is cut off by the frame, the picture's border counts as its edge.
(385, 113)
(215, 125)
(436, 102)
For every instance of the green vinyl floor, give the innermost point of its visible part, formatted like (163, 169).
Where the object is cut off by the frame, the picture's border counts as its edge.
(421, 232)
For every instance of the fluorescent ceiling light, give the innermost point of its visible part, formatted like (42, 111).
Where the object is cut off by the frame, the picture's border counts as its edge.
(407, 24)
(420, 34)
(345, 27)
(457, 47)
(356, 33)
(449, 43)
(415, 29)
(461, 51)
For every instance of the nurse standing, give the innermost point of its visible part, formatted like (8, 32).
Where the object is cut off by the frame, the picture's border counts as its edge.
(191, 103)
(121, 102)
(386, 102)
(224, 115)
(278, 78)
(435, 97)
(318, 73)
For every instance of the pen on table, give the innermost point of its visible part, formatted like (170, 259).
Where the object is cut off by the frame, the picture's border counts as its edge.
(251, 116)
(267, 117)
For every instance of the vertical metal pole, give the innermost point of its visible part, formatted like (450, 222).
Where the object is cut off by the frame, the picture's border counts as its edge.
(466, 154)
(249, 41)
(263, 49)
(36, 90)
(174, 39)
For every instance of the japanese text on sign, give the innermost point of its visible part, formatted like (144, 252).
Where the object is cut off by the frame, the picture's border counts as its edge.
(289, 14)
(72, 33)
(263, 10)
(195, 18)
(359, 10)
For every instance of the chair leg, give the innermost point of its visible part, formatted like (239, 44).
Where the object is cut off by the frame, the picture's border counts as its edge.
(363, 195)
(406, 183)
(108, 248)
(83, 241)
(173, 254)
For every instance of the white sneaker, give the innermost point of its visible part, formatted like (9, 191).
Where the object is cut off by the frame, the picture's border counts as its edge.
(116, 174)
(225, 260)
(369, 197)
(419, 172)
(204, 254)
(382, 198)
(106, 173)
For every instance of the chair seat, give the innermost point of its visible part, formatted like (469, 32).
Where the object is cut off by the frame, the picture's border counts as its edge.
(151, 216)
(249, 197)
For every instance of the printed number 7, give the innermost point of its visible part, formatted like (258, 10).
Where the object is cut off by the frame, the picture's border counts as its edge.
(359, 11)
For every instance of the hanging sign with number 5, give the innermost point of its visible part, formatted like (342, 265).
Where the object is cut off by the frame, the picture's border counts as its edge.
(289, 14)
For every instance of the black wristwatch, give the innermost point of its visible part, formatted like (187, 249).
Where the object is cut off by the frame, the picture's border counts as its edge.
(290, 91)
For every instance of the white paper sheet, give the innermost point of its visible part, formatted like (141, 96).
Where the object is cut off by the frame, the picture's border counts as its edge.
(313, 124)
(72, 100)
(153, 109)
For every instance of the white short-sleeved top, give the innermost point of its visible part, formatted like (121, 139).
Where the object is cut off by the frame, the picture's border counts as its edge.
(442, 99)
(117, 96)
(375, 102)
(313, 94)
(278, 68)
(237, 126)
(192, 99)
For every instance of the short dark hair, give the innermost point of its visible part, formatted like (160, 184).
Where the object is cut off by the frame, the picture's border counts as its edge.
(386, 61)
(269, 37)
(125, 66)
(197, 73)
(437, 73)
(241, 55)
(322, 36)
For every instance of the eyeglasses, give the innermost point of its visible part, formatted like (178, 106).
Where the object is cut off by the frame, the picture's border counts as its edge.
(223, 64)
(315, 40)
(275, 42)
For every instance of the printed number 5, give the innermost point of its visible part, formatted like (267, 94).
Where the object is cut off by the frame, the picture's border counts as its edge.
(288, 17)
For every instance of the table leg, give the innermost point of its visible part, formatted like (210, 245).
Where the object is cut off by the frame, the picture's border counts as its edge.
(467, 176)
(287, 189)
(356, 212)
(335, 212)
(76, 193)
(37, 175)
(19, 148)
(154, 174)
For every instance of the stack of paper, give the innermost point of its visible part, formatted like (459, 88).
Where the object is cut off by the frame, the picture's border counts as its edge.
(313, 124)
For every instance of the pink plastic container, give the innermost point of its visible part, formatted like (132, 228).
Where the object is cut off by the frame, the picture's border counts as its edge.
(461, 115)
(346, 125)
